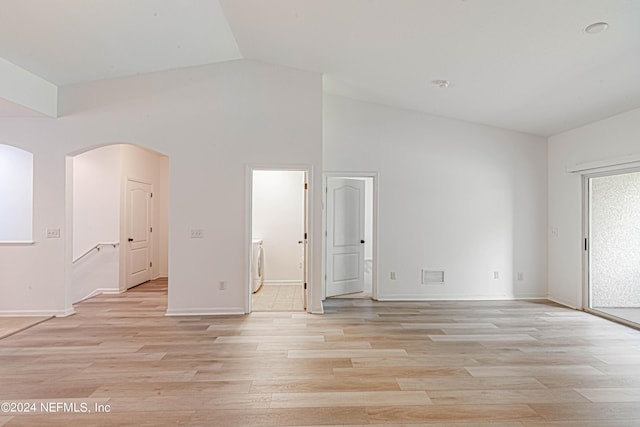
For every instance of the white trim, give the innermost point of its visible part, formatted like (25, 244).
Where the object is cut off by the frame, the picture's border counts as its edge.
(584, 292)
(213, 311)
(100, 291)
(627, 160)
(423, 298)
(17, 243)
(307, 169)
(284, 282)
(37, 313)
(562, 302)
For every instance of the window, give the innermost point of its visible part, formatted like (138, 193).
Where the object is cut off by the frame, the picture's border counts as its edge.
(16, 195)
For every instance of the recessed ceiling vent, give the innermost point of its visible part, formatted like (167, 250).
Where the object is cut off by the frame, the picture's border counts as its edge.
(432, 277)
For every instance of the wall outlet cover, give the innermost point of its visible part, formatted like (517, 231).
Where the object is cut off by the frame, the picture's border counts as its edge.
(196, 233)
(53, 233)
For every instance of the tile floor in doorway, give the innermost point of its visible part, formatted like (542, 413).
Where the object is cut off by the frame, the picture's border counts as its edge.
(278, 297)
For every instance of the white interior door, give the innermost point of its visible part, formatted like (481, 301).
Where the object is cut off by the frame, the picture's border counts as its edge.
(345, 236)
(138, 223)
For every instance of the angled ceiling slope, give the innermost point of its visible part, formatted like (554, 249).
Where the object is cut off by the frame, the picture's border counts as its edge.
(525, 65)
(72, 41)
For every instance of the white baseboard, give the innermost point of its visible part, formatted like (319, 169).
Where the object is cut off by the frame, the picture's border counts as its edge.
(283, 282)
(562, 302)
(317, 309)
(213, 311)
(100, 291)
(410, 297)
(37, 313)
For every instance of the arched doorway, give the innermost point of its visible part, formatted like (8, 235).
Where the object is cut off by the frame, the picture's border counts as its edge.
(110, 189)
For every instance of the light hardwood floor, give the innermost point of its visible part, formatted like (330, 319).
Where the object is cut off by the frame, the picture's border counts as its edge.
(505, 363)
(12, 325)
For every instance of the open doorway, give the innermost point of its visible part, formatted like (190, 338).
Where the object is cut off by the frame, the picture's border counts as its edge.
(278, 240)
(118, 212)
(350, 238)
(612, 244)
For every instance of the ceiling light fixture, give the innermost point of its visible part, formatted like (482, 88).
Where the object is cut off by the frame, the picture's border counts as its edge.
(596, 28)
(441, 83)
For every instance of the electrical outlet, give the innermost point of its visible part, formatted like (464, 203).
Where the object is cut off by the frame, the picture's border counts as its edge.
(392, 275)
(222, 285)
(197, 233)
(520, 276)
(53, 233)
(496, 275)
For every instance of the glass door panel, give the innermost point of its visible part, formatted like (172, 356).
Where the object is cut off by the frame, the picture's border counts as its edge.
(614, 245)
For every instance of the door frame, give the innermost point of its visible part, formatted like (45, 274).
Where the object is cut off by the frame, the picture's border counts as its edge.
(586, 237)
(374, 225)
(308, 225)
(124, 232)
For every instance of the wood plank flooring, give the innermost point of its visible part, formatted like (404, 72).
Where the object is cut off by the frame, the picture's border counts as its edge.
(11, 325)
(500, 363)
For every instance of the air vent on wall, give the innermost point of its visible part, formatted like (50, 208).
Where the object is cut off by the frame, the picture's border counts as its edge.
(432, 277)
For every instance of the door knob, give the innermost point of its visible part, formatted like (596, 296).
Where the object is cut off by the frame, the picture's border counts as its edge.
(130, 239)
(300, 241)
(361, 241)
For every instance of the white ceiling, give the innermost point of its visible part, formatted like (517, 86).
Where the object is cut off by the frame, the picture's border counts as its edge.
(71, 41)
(525, 65)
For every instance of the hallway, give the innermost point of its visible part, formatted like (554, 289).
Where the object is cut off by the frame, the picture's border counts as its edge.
(508, 363)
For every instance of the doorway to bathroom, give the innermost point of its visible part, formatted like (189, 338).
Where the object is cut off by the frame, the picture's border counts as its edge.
(350, 235)
(612, 244)
(278, 267)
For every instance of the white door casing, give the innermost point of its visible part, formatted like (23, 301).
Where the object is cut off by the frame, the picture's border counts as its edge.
(138, 224)
(305, 275)
(345, 236)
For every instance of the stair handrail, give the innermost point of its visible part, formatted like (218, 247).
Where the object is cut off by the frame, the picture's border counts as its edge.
(96, 247)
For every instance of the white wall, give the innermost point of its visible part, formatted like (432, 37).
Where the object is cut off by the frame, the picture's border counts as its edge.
(278, 219)
(96, 218)
(96, 198)
(32, 277)
(456, 196)
(99, 185)
(602, 142)
(211, 121)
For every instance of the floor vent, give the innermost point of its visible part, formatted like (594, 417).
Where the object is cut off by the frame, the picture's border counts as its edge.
(432, 277)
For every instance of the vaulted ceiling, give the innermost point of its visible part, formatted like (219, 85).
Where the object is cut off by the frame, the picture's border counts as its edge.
(526, 65)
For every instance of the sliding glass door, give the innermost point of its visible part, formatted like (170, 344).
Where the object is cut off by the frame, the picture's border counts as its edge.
(613, 245)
